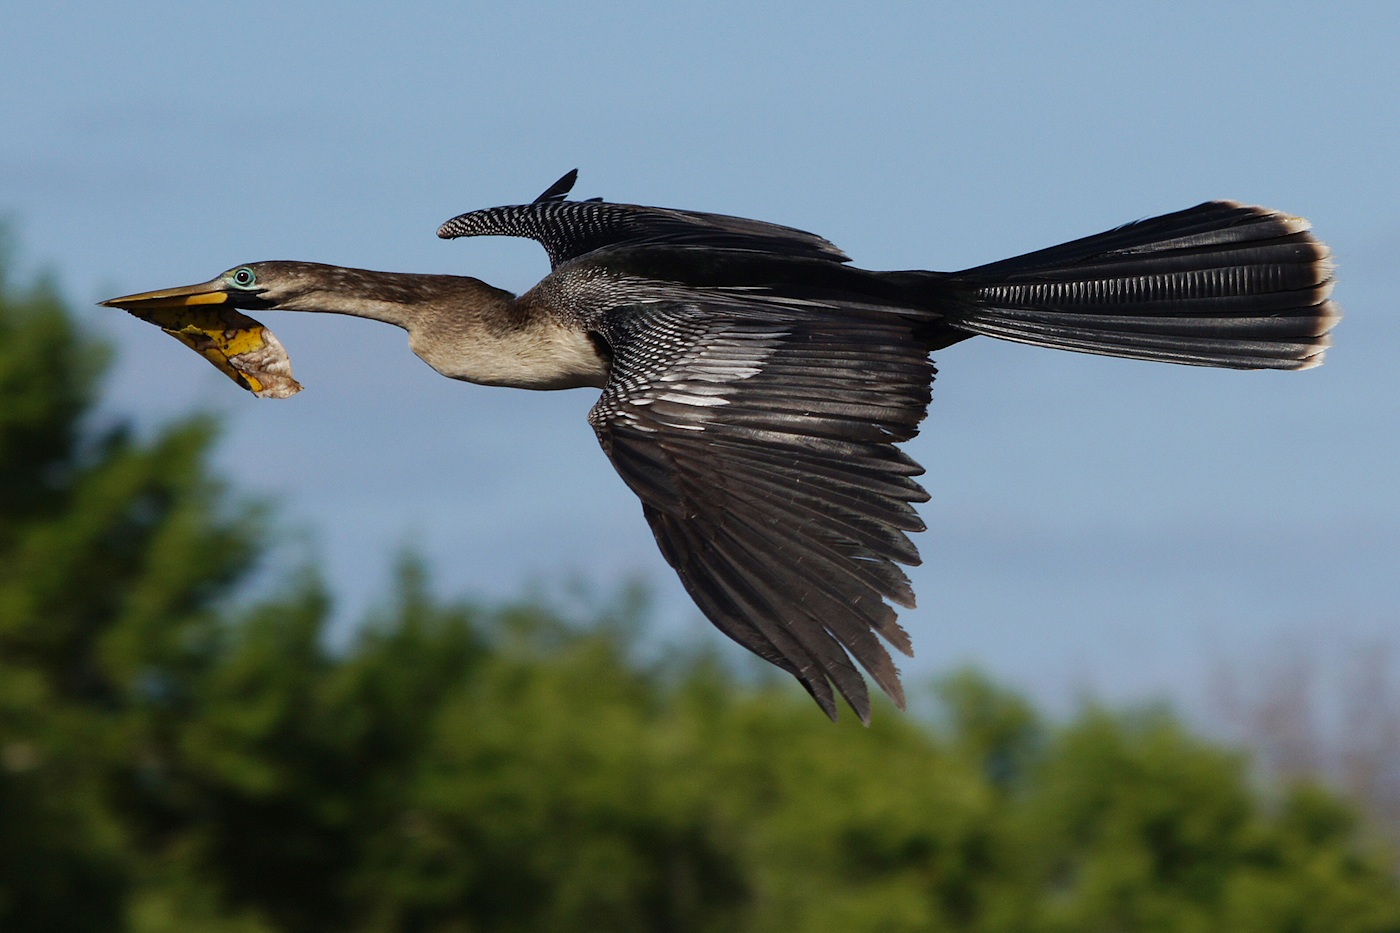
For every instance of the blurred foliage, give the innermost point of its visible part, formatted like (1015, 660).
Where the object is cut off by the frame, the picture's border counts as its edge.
(1324, 707)
(173, 760)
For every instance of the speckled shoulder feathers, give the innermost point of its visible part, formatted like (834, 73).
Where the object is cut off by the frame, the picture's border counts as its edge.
(570, 229)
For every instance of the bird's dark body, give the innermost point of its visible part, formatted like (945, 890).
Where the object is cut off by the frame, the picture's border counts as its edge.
(756, 384)
(592, 287)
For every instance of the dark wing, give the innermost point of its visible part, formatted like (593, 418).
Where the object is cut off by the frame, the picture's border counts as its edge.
(570, 229)
(762, 446)
(561, 188)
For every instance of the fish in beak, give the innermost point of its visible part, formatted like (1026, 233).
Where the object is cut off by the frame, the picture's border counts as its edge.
(203, 319)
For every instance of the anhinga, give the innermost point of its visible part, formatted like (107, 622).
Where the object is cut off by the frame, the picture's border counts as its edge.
(755, 384)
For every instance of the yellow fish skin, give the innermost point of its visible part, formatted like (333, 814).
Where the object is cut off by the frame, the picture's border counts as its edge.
(238, 346)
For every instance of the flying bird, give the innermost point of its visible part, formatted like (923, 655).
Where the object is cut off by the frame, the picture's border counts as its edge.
(756, 385)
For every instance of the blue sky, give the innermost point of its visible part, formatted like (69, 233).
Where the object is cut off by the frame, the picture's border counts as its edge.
(1096, 524)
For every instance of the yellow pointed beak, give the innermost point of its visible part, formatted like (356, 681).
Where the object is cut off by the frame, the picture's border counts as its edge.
(237, 345)
(206, 293)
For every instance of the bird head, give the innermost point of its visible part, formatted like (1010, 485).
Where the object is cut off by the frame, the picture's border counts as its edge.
(256, 286)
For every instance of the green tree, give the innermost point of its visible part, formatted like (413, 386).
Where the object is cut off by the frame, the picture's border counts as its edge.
(114, 552)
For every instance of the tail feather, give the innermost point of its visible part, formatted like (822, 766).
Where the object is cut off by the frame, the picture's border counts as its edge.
(1220, 284)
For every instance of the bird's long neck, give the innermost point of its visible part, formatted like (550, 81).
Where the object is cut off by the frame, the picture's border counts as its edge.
(400, 298)
(465, 328)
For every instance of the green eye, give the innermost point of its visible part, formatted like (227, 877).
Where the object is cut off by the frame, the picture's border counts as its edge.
(244, 277)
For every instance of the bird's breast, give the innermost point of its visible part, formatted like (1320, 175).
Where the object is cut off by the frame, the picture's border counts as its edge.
(544, 355)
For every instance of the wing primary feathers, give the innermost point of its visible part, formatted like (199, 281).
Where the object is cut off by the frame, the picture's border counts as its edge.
(703, 565)
(837, 596)
(560, 189)
(812, 638)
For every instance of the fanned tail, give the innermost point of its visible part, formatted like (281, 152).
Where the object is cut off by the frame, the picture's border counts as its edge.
(1220, 284)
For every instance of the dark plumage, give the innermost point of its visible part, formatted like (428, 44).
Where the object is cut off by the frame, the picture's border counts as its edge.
(755, 384)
